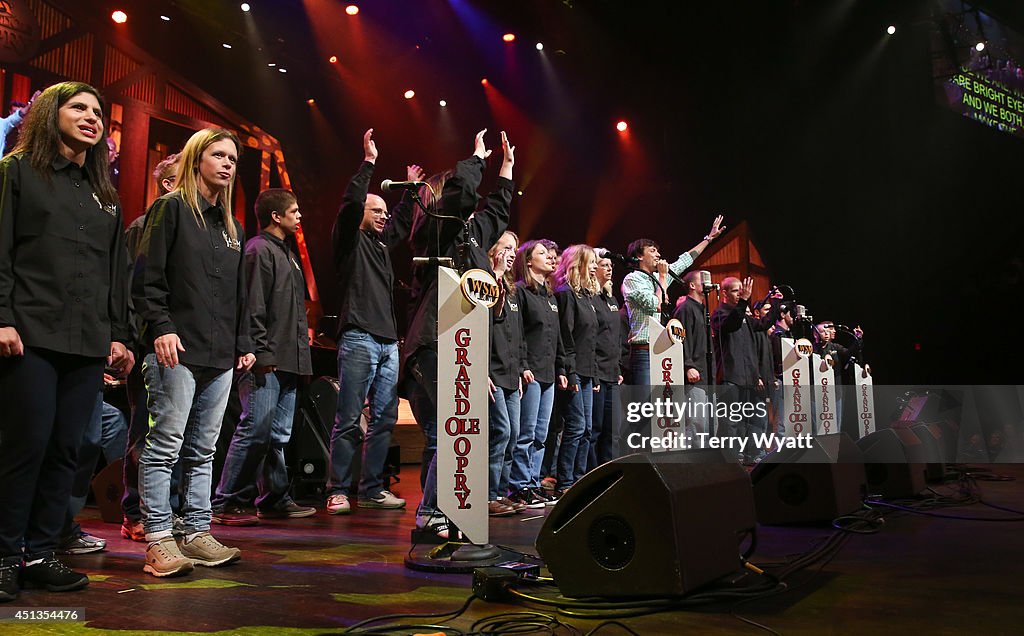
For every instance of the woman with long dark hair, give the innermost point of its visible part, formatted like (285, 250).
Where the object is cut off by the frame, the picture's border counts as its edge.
(63, 314)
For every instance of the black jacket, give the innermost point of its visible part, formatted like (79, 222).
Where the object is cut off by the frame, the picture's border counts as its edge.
(508, 348)
(608, 345)
(577, 320)
(190, 280)
(735, 346)
(544, 355)
(362, 260)
(277, 305)
(63, 264)
(434, 237)
(695, 348)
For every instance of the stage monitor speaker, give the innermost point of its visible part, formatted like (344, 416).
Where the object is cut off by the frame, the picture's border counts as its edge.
(108, 487)
(649, 526)
(809, 485)
(894, 461)
(934, 451)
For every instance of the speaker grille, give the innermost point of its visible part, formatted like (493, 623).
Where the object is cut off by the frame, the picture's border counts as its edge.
(612, 543)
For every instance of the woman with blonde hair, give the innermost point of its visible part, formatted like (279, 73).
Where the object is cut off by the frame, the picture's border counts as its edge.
(608, 349)
(189, 291)
(63, 314)
(575, 283)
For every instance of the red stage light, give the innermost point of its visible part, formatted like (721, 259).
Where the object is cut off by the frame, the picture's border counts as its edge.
(310, 101)
(352, 9)
(621, 126)
(484, 81)
(119, 16)
(333, 59)
(509, 37)
(409, 94)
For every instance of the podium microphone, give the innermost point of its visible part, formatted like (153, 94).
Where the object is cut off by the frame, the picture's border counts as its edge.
(443, 261)
(705, 281)
(387, 185)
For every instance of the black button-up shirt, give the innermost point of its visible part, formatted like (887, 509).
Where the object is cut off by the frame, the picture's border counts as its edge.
(695, 348)
(63, 282)
(189, 280)
(544, 355)
(362, 259)
(578, 323)
(277, 305)
(508, 349)
(608, 345)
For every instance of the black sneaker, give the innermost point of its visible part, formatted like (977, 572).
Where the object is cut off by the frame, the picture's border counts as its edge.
(530, 498)
(10, 568)
(291, 510)
(52, 575)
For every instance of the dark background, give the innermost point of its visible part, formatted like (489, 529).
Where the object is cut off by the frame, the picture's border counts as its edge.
(804, 119)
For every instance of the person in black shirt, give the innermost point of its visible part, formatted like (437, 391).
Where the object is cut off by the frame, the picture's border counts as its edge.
(276, 313)
(507, 361)
(575, 287)
(783, 328)
(607, 351)
(466, 238)
(367, 337)
(63, 314)
(189, 292)
(165, 175)
(690, 311)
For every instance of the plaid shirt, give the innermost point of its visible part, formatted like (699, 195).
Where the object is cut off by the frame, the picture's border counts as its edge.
(640, 293)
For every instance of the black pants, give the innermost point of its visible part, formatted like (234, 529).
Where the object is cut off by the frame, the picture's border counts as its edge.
(47, 399)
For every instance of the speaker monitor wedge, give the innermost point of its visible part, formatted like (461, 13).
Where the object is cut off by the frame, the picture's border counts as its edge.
(895, 462)
(809, 485)
(649, 525)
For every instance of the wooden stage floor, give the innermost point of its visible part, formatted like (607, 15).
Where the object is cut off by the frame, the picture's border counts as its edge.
(322, 574)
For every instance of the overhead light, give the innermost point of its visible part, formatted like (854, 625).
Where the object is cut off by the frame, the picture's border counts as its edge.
(165, 18)
(891, 29)
(272, 64)
(484, 81)
(282, 70)
(226, 45)
(310, 101)
(409, 94)
(622, 126)
(352, 9)
(509, 37)
(119, 16)
(246, 7)
(980, 46)
(540, 46)
(443, 103)
(333, 59)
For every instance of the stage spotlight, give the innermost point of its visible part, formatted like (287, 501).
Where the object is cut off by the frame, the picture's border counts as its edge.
(226, 45)
(409, 94)
(310, 101)
(165, 18)
(246, 7)
(352, 9)
(980, 46)
(443, 103)
(119, 16)
(272, 64)
(891, 29)
(621, 126)
(519, 192)
(540, 46)
(333, 59)
(509, 37)
(484, 81)
(282, 70)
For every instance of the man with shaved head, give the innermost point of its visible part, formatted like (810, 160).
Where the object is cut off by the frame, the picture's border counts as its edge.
(367, 339)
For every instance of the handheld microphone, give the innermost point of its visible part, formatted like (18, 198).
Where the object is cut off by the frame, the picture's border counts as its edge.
(387, 185)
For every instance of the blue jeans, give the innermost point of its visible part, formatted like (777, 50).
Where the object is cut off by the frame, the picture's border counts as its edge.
(534, 415)
(640, 365)
(186, 410)
(697, 395)
(138, 426)
(575, 448)
(106, 434)
(504, 429)
(257, 446)
(602, 434)
(367, 367)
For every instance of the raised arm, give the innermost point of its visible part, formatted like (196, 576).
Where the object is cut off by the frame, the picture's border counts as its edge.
(686, 259)
(350, 215)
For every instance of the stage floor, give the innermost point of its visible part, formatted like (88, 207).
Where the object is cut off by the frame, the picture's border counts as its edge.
(324, 573)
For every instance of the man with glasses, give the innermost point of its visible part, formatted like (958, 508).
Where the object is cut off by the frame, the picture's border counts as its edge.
(367, 338)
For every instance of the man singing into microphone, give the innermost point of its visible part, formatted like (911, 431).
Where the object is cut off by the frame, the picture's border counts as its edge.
(644, 294)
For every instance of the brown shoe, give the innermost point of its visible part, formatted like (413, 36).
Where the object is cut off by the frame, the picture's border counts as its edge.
(204, 550)
(498, 509)
(517, 505)
(235, 516)
(163, 558)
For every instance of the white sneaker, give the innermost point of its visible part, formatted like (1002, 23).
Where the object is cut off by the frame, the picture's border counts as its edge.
(386, 500)
(338, 505)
